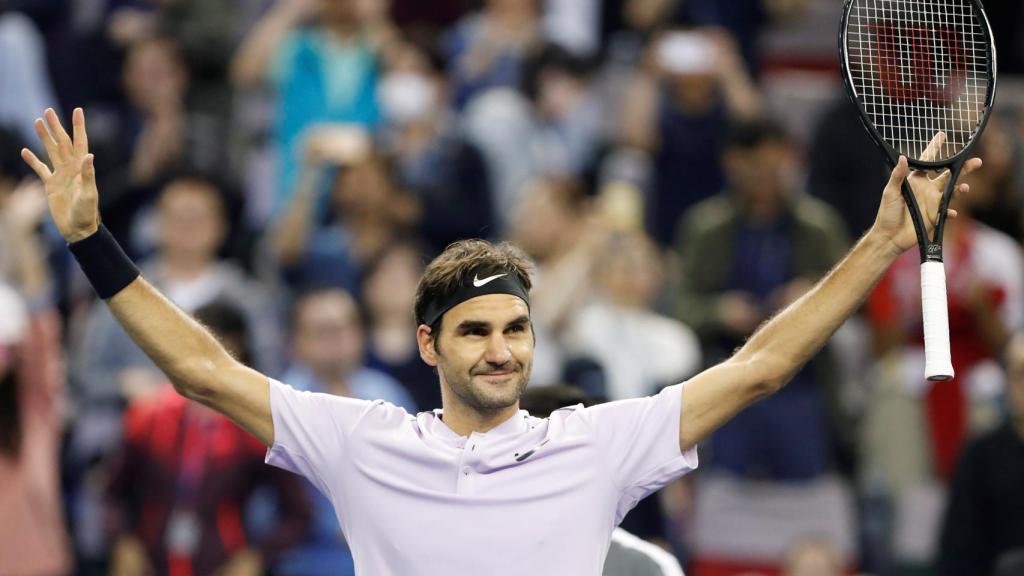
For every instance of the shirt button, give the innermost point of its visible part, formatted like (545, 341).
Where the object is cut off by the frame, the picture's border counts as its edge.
(466, 470)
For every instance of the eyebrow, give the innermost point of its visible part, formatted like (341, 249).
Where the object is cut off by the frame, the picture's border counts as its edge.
(470, 325)
(520, 321)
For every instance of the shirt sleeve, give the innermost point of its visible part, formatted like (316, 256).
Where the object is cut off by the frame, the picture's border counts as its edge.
(640, 440)
(311, 431)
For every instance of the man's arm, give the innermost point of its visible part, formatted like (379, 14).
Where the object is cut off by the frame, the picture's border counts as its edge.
(786, 342)
(193, 359)
(196, 363)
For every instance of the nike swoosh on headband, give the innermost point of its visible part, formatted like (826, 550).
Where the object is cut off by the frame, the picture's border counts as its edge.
(478, 282)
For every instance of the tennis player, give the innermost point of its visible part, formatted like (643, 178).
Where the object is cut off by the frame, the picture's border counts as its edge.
(478, 487)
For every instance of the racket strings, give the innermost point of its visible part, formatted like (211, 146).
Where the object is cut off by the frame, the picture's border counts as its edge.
(919, 67)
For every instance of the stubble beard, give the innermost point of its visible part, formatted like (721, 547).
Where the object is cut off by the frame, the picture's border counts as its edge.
(487, 398)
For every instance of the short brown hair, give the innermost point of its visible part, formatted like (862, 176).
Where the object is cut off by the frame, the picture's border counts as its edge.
(460, 260)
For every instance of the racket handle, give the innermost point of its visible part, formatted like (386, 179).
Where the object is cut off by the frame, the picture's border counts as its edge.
(937, 362)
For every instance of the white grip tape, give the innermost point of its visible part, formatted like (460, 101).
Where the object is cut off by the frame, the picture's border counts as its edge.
(937, 363)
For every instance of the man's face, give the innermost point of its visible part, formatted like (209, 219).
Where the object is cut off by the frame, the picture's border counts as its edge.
(758, 174)
(484, 352)
(153, 76)
(328, 336)
(191, 220)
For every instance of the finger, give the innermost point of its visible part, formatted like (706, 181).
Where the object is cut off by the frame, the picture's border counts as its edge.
(81, 139)
(962, 189)
(37, 165)
(971, 166)
(59, 134)
(47, 139)
(898, 175)
(89, 191)
(931, 153)
(952, 214)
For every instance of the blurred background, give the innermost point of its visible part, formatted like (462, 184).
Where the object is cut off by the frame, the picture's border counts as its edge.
(679, 170)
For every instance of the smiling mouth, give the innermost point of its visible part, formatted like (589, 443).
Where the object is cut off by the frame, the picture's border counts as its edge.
(496, 375)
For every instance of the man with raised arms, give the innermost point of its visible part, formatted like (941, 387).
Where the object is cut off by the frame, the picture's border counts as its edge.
(478, 487)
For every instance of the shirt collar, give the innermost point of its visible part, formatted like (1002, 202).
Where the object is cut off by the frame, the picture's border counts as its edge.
(518, 423)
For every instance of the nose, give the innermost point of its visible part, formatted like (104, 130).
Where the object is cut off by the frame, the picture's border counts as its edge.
(498, 352)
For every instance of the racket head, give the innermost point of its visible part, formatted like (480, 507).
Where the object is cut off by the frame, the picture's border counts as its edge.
(917, 67)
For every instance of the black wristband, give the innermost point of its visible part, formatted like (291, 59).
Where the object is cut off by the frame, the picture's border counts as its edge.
(105, 264)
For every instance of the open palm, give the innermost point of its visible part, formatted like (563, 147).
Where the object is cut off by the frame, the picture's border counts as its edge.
(71, 184)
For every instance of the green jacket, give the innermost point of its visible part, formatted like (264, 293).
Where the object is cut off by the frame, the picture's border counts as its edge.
(705, 246)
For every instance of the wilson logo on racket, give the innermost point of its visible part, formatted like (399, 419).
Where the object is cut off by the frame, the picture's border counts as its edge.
(907, 57)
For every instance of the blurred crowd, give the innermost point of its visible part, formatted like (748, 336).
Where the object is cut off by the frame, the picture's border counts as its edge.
(679, 170)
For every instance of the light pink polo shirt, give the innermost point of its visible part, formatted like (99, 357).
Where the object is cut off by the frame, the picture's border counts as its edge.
(531, 496)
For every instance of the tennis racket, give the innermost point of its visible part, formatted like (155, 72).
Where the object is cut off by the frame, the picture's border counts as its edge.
(915, 68)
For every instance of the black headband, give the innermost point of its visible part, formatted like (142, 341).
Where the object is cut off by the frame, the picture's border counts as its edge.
(500, 283)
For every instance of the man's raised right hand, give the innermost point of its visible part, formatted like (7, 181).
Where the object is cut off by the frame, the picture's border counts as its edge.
(71, 185)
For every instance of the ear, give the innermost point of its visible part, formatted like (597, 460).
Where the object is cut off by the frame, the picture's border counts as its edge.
(425, 340)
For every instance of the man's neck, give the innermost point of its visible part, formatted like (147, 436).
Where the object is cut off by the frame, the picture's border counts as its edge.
(343, 31)
(184, 268)
(464, 420)
(335, 382)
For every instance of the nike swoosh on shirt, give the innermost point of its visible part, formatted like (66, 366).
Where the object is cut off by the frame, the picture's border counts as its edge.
(478, 282)
(520, 457)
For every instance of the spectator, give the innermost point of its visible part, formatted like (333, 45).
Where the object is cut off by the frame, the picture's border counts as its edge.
(32, 383)
(110, 368)
(985, 516)
(487, 49)
(325, 72)
(26, 82)
(677, 108)
(19, 214)
(569, 116)
(389, 292)
(842, 179)
(327, 349)
(180, 486)
(985, 288)
(999, 197)
(556, 225)
(915, 429)
(157, 137)
(745, 254)
(639, 349)
(553, 129)
(433, 156)
(208, 32)
(744, 19)
(369, 211)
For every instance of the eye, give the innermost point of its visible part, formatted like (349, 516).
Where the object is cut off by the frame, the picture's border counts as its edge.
(518, 328)
(476, 332)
